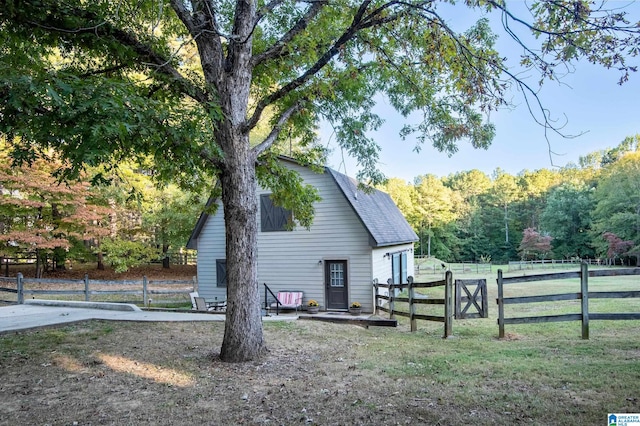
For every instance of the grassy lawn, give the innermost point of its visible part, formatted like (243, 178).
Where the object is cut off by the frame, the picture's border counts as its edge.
(540, 371)
(320, 373)
(330, 374)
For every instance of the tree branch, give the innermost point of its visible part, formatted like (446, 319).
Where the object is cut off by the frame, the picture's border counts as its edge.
(184, 15)
(105, 30)
(103, 71)
(202, 26)
(162, 65)
(545, 122)
(275, 131)
(357, 24)
(269, 7)
(276, 50)
(592, 25)
(239, 51)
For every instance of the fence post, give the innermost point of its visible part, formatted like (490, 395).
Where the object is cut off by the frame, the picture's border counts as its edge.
(500, 306)
(20, 288)
(412, 306)
(144, 290)
(375, 297)
(485, 297)
(584, 290)
(86, 287)
(448, 304)
(392, 296)
(458, 299)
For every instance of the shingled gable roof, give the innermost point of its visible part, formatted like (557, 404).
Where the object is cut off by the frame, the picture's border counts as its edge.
(376, 210)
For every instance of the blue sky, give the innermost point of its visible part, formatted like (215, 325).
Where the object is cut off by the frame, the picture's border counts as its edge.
(589, 100)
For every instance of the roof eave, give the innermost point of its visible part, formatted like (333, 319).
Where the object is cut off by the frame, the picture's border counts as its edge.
(192, 243)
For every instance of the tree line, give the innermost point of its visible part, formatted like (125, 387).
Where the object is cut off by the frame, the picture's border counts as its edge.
(116, 216)
(122, 218)
(585, 210)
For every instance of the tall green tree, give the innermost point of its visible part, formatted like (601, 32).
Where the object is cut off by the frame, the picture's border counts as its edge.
(618, 203)
(567, 218)
(188, 82)
(171, 217)
(505, 192)
(472, 188)
(629, 144)
(534, 187)
(435, 204)
(403, 195)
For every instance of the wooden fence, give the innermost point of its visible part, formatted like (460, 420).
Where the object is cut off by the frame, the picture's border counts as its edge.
(188, 258)
(519, 265)
(471, 305)
(6, 263)
(141, 288)
(415, 299)
(458, 267)
(584, 295)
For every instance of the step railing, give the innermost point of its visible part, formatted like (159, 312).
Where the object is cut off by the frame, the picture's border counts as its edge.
(268, 291)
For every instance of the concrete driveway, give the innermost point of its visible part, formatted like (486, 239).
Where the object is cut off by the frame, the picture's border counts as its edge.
(36, 313)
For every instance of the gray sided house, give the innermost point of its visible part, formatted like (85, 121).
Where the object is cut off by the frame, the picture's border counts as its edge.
(356, 237)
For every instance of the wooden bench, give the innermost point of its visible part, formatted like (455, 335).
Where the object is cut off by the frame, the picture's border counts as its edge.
(288, 300)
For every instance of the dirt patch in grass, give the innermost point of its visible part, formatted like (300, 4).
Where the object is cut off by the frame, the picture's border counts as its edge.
(98, 373)
(102, 373)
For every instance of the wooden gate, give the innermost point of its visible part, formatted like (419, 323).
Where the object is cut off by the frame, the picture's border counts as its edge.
(476, 302)
(413, 300)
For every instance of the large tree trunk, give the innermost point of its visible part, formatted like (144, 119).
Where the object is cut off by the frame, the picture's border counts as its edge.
(231, 76)
(243, 336)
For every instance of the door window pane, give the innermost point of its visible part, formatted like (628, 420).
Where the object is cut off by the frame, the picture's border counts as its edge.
(337, 275)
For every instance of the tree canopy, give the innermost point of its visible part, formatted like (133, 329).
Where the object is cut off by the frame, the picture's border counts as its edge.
(580, 207)
(618, 200)
(76, 220)
(188, 82)
(42, 216)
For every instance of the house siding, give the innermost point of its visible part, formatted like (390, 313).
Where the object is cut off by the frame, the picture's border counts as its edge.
(381, 264)
(211, 246)
(295, 260)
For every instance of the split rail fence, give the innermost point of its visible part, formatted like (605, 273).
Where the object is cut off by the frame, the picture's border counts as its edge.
(414, 299)
(584, 295)
(519, 265)
(143, 288)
